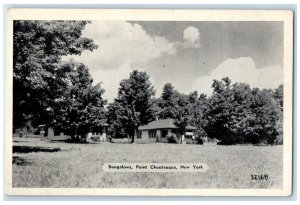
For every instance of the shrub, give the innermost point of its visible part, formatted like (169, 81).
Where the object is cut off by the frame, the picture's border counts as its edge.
(171, 139)
(199, 140)
(228, 141)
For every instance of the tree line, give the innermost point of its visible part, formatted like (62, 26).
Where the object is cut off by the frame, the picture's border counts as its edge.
(48, 90)
(233, 114)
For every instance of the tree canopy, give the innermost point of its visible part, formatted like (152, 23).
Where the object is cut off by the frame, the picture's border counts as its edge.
(81, 107)
(134, 104)
(48, 90)
(39, 75)
(239, 114)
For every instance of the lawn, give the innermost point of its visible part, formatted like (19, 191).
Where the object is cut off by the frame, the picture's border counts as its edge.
(38, 163)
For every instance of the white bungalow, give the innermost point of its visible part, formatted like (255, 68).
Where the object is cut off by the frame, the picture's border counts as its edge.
(100, 136)
(97, 136)
(158, 130)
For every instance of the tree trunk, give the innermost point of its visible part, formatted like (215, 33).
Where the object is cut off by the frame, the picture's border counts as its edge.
(180, 141)
(132, 138)
(72, 137)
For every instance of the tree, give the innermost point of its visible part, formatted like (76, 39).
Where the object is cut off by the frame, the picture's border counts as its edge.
(278, 96)
(182, 115)
(184, 109)
(114, 119)
(239, 114)
(135, 102)
(199, 109)
(81, 108)
(220, 112)
(38, 76)
(167, 102)
(266, 118)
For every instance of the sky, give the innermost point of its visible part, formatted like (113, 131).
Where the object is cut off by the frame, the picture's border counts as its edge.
(187, 54)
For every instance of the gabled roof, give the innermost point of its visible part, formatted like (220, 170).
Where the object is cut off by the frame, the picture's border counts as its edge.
(163, 124)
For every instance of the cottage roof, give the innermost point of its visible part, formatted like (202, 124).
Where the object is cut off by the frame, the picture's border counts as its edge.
(163, 124)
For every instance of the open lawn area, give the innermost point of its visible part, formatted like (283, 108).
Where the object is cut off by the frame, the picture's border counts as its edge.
(38, 163)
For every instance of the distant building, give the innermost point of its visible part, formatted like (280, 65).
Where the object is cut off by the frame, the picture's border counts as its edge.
(55, 135)
(98, 135)
(160, 130)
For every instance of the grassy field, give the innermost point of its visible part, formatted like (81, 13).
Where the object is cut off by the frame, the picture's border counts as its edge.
(39, 163)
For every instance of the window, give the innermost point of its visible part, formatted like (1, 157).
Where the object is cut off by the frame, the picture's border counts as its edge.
(139, 135)
(152, 133)
(164, 133)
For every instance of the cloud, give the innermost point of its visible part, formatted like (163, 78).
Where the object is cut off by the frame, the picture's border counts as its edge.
(191, 36)
(121, 44)
(244, 70)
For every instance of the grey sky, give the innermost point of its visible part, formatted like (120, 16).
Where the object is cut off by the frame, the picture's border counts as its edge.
(187, 54)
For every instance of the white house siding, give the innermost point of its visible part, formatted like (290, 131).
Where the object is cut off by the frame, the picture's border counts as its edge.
(61, 136)
(50, 133)
(145, 137)
(145, 134)
(98, 136)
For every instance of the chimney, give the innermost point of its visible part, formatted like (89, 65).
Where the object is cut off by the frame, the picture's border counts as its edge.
(156, 117)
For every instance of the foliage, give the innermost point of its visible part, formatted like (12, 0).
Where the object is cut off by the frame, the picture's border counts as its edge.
(168, 102)
(26, 130)
(39, 77)
(81, 108)
(134, 104)
(184, 109)
(171, 139)
(114, 119)
(199, 140)
(278, 96)
(239, 114)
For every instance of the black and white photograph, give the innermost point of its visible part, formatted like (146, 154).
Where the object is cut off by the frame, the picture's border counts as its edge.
(150, 103)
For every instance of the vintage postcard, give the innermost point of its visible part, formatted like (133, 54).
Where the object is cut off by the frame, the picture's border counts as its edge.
(142, 102)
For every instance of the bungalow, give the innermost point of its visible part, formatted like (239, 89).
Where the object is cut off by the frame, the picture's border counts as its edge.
(158, 130)
(99, 134)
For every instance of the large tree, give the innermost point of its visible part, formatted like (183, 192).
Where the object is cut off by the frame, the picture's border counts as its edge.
(184, 109)
(39, 78)
(114, 119)
(239, 114)
(199, 108)
(135, 102)
(266, 118)
(220, 111)
(81, 108)
(167, 102)
(182, 116)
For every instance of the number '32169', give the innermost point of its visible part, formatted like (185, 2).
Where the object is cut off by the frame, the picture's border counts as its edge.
(259, 177)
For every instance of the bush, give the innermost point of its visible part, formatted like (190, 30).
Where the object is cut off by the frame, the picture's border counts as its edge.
(199, 140)
(227, 142)
(171, 139)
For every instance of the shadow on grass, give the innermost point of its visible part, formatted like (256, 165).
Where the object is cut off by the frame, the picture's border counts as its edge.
(118, 142)
(20, 161)
(73, 142)
(69, 141)
(28, 149)
(19, 141)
